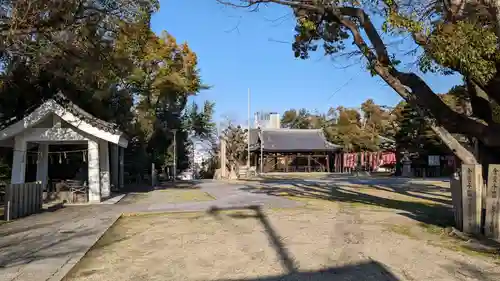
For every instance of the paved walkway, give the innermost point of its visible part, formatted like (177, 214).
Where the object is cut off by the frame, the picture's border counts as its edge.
(44, 247)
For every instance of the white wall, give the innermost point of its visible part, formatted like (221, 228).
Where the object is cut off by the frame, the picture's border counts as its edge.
(274, 121)
(267, 120)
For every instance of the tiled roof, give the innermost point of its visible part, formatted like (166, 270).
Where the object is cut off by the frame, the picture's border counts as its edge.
(84, 115)
(71, 107)
(291, 140)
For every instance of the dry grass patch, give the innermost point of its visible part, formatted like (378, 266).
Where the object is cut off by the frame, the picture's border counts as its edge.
(444, 238)
(168, 196)
(298, 175)
(427, 203)
(179, 185)
(251, 244)
(186, 246)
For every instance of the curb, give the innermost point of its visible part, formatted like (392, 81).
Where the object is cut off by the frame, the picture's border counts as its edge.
(114, 200)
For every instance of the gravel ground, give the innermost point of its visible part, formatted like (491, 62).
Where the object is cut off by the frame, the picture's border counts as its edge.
(321, 241)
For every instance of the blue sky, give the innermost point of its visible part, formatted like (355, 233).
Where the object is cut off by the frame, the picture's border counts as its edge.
(238, 50)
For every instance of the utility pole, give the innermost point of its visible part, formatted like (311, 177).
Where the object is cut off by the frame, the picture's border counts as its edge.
(175, 153)
(248, 132)
(193, 161)
(261, 153)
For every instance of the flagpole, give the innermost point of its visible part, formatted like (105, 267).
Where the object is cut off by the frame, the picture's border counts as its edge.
(248, 133)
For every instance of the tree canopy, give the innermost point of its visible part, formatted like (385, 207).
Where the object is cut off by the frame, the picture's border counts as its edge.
(455, 37)
(356, 129)
(103, 56)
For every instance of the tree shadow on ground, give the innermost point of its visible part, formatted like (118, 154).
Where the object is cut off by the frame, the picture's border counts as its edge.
(435, 211)
(431, 212)
(367, 270)
(6, 230)
(41, 247)
(363, 271)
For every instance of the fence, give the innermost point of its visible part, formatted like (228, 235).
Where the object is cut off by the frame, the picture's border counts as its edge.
(22, 200)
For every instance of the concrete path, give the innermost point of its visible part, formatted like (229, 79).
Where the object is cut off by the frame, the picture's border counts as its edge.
(227, 196)
(44, 247)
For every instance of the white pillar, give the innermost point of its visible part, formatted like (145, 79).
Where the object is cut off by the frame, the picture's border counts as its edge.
(42, 166)
(122, 165)
(19, 161)
(104, 169)
(94, 179)
(114, 165)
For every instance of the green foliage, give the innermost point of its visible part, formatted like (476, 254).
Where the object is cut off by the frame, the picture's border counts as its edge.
(105, 58)
(354, 129)
(296, 119)
(402, 22)
(311, 29)
(465, 47)
(236, 145)
(199, 121)
(81, 33)
(165, 76)
(414, 135)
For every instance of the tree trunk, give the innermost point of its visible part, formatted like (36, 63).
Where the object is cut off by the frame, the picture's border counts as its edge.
(399, 165)
(460, 150)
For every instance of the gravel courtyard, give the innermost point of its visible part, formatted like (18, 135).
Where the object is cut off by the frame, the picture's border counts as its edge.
(320, 241)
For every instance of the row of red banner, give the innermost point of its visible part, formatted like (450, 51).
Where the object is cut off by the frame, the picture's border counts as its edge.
(372, 160)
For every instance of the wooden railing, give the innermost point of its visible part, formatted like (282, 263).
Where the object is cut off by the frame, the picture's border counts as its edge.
(22, 200)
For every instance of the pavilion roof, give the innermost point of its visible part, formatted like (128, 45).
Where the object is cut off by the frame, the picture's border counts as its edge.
(291, 140)
(70, 113)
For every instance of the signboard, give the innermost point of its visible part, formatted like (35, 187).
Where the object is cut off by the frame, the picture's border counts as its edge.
(492, 224)
(472, 182)
(434, 160)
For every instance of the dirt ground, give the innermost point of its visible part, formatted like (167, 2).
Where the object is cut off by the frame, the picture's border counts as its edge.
(423, 200)
(324, 240)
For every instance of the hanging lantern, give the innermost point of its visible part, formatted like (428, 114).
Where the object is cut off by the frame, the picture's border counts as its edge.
(60, 158)
(84, 156)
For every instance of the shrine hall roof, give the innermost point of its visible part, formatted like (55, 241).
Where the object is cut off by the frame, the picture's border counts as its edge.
(69, 112)
(290, 140)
